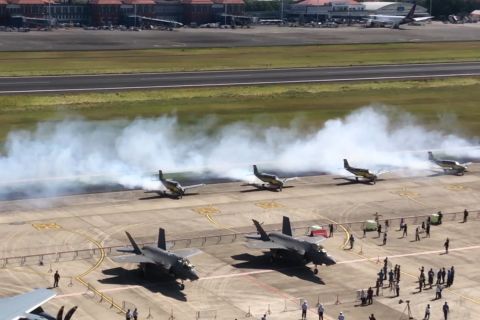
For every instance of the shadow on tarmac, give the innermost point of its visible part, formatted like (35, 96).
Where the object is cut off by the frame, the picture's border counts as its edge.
(156, 282)
(168, 196)
(289, 266)
(262, 188)
(350, 181)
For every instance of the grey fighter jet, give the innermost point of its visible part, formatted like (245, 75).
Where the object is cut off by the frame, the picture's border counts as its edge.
(174, 263)
(283, 243)
(269, 181)
(172, 186)
(27, 306)
(449, 166)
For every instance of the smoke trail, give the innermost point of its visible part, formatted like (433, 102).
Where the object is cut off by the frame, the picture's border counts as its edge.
(124, 151)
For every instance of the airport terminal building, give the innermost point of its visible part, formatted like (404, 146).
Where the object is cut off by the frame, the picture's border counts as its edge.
(38, 13)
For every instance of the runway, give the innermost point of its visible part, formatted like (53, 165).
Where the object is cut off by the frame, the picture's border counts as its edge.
(116, 82)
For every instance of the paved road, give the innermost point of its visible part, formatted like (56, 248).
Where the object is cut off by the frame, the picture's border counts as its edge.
(20, 85)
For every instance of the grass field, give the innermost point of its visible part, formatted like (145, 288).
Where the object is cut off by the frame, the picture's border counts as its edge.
(450, 104)
(123, 61)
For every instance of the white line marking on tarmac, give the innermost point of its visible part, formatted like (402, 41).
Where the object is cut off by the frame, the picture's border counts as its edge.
(469, 63)
(250, 273)
(241, 83)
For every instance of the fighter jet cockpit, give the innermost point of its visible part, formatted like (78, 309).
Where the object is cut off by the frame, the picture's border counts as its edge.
(185, 263)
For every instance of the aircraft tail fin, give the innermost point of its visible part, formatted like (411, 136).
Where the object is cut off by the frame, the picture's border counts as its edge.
(345, 163)
(162, 244)
(411, 13)
(286, 227)
(255, 169)
(263, 235)
(70, 313)
(136, 248)
(60, 313)
(160, 175)
(430, 156)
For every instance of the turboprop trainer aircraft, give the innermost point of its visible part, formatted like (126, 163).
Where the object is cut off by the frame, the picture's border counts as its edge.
(449, 166)
(270, 181)
(172, 186)
(174, 263)
(283, 243)
(394, 21)
(27, 306)
(362, 173)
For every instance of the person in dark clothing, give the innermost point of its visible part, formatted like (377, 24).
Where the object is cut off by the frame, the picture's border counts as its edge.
(427, 231)
(446, 310)
(385, 238)
(56, 278)
(377, 288)
(446, 245)
(417, 234)
(431, 275)
(390, 279)
(423, 225)
(370, 295)
(439, 276)
(331, 231)
(372, 317)
(397, 288)
(444, 273)
(449, 278)
(452, 274)
(465, 215)
(352, 241)
(379, 230)
(405, 230)
(440, 217)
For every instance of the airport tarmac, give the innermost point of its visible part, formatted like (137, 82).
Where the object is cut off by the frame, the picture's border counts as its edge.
(236, 282)
(79, 39)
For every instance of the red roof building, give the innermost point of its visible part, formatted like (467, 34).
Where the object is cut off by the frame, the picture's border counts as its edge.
(105, 12)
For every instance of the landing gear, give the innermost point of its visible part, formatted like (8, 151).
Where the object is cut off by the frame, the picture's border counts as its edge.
(315, 271)
(356, 179)
(181, 285)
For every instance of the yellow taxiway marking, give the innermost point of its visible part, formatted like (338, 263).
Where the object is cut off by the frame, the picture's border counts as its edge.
(455, 187)
(207, 210)
(208, 213)
(410, 195)
(46, 226)
(269, 205)
(100, 260)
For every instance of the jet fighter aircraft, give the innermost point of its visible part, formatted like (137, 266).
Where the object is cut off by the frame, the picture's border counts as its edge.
(283, 243)
(27, 306)
(173, 262)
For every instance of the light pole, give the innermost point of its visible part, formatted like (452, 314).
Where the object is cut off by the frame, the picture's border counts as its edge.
(431, 2)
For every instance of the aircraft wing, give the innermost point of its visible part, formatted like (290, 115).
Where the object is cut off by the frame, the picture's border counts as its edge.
(420, 19)
(262, 245)
(187, 252)
(134, 258)
(19, 306)
(315, 240)
(194, 186)
(289, 179)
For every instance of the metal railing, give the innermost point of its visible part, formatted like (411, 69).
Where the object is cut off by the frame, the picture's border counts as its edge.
(211, 240)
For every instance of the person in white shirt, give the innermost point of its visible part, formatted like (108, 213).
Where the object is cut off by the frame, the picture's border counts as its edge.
(321, 310)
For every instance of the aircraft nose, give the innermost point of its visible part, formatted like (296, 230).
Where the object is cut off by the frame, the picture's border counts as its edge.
(193, 275)
(329, 261)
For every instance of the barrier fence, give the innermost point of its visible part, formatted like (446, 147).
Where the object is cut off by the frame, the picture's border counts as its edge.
(205, 241)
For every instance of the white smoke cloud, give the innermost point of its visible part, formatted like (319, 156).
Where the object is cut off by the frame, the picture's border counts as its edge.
(124, 152)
